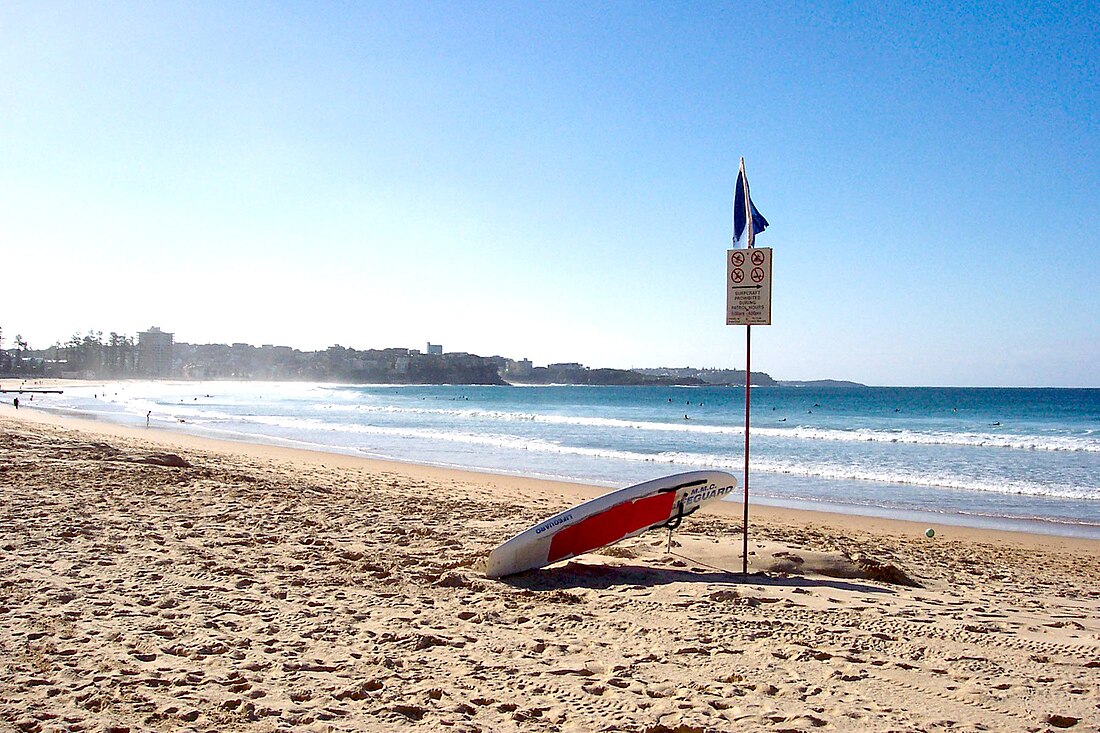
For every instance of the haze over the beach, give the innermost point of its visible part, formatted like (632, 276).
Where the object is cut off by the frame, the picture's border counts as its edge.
(554, 181)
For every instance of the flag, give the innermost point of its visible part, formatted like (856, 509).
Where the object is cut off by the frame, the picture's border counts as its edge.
(747, 221)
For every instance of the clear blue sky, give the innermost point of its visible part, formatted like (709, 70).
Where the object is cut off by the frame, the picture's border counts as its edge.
(555, 180)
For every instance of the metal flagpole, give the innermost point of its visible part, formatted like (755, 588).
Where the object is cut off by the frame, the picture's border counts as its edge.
(749, 240)
(748, 379)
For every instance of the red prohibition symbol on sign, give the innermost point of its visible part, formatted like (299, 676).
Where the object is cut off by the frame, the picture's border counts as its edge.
(757, 274)
(738, 259)
(738, 275)
(757, 258)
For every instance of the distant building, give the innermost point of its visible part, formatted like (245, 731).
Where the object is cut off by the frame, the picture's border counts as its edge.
(435, 348)
(154, 353)
(566, 366)
(518, 369)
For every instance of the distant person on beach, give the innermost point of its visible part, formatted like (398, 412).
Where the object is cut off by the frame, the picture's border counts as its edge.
(16, 403)
(147, 415)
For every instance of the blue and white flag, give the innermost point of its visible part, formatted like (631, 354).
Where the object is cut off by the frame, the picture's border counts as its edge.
(747, 221)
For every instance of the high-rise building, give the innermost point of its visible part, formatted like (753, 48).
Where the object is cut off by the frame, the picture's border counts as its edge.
(154, 352)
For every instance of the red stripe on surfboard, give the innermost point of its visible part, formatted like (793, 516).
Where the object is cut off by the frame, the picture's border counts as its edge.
(610, 525)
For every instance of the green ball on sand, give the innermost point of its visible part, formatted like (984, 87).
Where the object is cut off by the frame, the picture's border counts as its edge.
(929, 532)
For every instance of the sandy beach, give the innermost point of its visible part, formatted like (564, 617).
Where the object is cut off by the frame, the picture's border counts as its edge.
(153, 581)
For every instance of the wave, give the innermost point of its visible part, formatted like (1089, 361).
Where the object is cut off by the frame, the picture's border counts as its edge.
(313, 430)
(1088, 443)
(1071, 444)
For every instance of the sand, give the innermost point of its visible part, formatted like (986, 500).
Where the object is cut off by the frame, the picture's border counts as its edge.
(251, 588)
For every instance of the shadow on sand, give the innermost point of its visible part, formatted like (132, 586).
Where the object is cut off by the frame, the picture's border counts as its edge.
(603, 577)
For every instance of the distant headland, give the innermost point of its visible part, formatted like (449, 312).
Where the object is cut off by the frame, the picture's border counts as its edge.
(154, 354)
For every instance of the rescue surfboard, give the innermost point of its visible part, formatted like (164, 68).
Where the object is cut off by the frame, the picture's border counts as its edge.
(608, 519)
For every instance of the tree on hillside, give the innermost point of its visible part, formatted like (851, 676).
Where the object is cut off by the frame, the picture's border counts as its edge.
(120, 357)
(92, 344)
(20, 347)
(72, 353)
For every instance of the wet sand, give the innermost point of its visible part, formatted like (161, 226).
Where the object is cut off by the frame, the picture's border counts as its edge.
(248, 587)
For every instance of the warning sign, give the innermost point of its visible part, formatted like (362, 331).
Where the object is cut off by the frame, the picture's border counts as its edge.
(749, 287)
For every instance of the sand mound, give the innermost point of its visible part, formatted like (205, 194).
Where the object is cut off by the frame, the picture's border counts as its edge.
(169, 460)
(769, 557)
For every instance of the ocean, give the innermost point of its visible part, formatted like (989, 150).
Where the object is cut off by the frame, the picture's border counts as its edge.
(1023, 459)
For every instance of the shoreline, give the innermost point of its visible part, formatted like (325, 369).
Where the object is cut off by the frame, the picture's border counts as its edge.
(577, 492)
(987, 512)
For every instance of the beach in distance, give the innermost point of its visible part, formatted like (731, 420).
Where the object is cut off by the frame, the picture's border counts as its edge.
(156, 580)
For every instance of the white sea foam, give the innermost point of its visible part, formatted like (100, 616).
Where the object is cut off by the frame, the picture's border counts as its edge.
(1088, 442)
(312, 429)
(973, 439)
